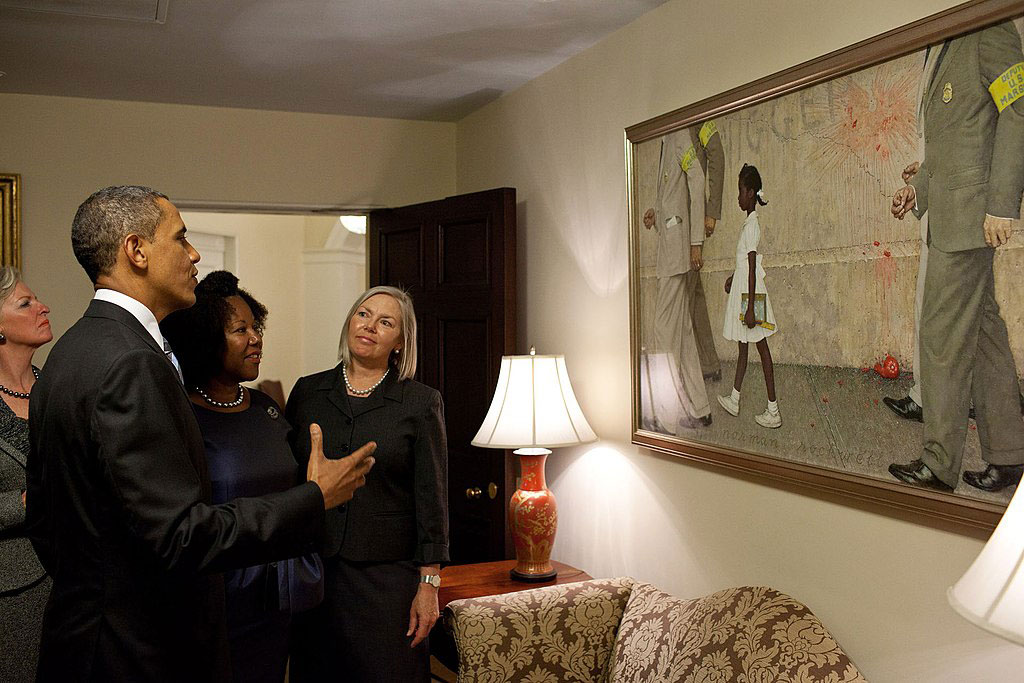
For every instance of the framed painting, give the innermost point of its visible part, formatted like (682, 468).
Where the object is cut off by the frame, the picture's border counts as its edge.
(10, 220)
(823, 271)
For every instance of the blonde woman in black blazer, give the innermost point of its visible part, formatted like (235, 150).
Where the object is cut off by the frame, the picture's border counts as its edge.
(384, 548)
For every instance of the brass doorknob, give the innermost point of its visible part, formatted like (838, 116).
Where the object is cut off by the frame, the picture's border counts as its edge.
(473, 493)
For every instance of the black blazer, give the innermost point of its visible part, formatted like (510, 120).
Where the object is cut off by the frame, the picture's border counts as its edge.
(402, 512)
(119, 512)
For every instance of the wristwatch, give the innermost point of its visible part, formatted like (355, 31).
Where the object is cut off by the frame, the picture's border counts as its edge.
(433, 579)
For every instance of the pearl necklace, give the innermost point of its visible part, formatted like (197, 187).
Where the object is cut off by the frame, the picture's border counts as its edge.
(20, 394)
(224, 404)
(361, 392)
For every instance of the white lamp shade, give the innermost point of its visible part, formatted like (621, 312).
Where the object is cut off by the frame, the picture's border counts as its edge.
(991, 593)
(533, 407)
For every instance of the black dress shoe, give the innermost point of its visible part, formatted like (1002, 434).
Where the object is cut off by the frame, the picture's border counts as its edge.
(688, 422)
(917, 473)
(905, 407)
(994, 477)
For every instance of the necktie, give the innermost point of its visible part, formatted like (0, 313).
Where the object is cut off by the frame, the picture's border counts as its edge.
(174, 361)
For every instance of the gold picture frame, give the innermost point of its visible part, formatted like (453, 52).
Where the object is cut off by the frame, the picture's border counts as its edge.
(768, 455)
(10, 219)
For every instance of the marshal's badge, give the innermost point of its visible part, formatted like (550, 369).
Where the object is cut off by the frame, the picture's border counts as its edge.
(947, 92)
(273, 412)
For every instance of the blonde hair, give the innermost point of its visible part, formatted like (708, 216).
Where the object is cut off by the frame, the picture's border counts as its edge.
(9, 279)
(404, 362)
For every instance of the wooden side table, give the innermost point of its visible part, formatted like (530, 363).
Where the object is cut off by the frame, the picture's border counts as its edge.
(491, 578)
(477, 580)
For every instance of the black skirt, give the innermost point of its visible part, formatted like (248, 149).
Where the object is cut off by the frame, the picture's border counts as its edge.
(358, 632)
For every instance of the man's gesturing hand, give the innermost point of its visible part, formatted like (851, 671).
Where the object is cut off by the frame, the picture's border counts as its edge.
(337, 479)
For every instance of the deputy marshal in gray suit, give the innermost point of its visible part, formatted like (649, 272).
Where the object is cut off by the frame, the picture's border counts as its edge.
(691, 170)
(970, 183)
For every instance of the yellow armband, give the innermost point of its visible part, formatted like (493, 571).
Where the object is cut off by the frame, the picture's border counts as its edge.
(687, 161)
(706, 131)
(1008, 86)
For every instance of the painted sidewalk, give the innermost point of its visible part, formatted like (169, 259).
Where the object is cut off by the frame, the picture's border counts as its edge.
(832, 417)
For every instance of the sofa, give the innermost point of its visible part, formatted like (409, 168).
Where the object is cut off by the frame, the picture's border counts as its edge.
(622, 630)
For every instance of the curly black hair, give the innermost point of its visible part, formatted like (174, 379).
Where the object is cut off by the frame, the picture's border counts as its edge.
(197, 334)
(751, 179)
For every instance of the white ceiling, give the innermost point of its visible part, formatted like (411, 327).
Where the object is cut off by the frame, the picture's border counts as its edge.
(410, 59)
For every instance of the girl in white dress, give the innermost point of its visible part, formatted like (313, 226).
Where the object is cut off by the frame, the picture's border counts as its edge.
(748, 311)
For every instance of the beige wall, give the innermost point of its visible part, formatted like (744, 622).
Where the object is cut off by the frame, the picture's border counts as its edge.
(66, 148)
(878, 582)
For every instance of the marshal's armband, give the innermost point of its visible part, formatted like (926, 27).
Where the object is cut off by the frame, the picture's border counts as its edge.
(1008, 86)
(709, 128)
(686, 161)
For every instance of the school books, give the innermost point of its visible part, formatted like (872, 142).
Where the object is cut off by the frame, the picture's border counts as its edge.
(759, 310)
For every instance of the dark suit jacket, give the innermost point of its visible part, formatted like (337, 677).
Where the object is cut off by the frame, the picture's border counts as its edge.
(402, 512)
(119, 512)
(974, 155)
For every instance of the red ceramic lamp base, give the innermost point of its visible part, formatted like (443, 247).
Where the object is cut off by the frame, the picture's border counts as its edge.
(533, 518)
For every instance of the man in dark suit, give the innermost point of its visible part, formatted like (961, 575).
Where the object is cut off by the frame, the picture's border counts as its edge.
(970, 183)
(118, 491)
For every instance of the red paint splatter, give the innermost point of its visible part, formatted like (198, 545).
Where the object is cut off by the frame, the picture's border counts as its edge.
(887, 254)
(876, 401)
(824, 399)
(973, 427)
(877, 243)
(854, 125)
(865, 369)
(840, 382)
(878, 146)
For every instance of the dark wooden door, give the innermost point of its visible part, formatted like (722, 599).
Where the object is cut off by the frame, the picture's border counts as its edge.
(457, 256)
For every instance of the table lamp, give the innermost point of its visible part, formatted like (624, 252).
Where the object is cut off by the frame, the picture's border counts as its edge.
(533, 410)
(991, 593)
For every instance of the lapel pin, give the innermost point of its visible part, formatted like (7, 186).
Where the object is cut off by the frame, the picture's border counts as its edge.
(947, 92)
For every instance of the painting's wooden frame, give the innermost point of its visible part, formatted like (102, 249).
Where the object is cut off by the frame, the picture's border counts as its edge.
(10, 219)
(958, 512)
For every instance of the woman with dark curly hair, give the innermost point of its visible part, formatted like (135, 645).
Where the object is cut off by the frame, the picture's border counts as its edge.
(219, 343)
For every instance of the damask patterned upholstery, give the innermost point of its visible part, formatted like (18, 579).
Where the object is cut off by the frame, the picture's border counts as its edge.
(545, 635)
(623, 631)
(749, 634)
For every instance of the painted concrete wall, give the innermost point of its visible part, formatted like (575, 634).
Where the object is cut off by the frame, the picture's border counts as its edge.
(878, 582)
(841, 272)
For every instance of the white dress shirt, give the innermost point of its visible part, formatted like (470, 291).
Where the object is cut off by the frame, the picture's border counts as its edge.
(143, 315)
